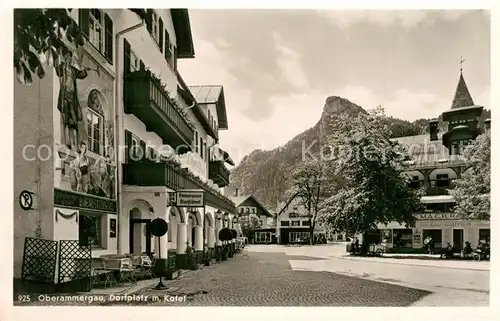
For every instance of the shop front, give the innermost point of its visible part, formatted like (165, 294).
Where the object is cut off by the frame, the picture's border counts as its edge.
(444, 228)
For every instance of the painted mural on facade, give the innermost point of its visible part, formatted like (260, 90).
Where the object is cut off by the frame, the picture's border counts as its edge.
(85, 113)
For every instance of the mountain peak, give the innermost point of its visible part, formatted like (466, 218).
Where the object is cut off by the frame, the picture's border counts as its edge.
(339, 105)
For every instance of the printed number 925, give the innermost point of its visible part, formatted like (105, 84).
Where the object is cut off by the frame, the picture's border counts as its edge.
(23, 298)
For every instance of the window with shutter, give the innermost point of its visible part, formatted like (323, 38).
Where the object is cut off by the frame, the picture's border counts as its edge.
(154, 26)
(128, 145)
(83, 21)
(201, 147)
(160, 40)
(143, 151)
(108, 39)
(127, 59)
(167, 46)
(175, 57)
(149, 20)
(97, 26)
(196, 142)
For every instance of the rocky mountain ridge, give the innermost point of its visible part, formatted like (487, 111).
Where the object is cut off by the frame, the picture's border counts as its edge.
(265, 173)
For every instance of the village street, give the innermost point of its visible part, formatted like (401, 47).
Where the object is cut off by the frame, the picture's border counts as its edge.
(323, 276)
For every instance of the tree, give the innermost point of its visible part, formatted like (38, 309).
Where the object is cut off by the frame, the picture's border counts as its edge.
(375, 191)
(41, 36)
(249, 226)
(472, 190)
(311, 183)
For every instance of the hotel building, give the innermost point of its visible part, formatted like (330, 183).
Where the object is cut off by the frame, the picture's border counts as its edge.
(101, 165)
(436, 163)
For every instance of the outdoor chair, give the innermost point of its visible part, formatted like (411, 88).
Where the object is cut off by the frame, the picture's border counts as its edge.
(127, 271)
(147, 265)
(100, 271)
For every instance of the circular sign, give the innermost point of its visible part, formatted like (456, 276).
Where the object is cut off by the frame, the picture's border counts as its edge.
(26, 200)
(158, 227)
(234, 234)
(224, 234)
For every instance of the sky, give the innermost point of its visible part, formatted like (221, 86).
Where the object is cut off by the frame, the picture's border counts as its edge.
(279, 66)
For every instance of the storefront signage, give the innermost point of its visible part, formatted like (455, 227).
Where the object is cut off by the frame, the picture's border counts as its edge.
(436, 216)
(83, 201)
(187, 198)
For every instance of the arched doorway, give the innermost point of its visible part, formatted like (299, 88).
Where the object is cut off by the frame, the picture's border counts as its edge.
(140, 238)
(193, 221)
(175, 216)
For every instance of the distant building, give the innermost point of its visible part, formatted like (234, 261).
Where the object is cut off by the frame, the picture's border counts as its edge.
(248, 206)
(293, 224)
(436, 163)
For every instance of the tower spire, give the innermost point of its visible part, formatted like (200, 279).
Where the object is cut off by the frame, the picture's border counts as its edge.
(462, 95)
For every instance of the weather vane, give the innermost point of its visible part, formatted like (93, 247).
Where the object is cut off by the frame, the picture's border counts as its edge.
(461, 63)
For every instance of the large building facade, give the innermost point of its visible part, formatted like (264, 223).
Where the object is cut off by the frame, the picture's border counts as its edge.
(436, 163)
(107, 137)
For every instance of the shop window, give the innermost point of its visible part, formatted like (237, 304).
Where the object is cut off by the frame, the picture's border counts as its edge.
(89, 229)
(285, 223)
(262, 237)
(386, 234)
(402, 238)
(436, 234)
(484, 234)
(299, 237)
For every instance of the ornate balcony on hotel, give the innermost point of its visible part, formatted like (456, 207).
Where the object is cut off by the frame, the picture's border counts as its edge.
(434, 187)
(147, 173)
(147, 100)
(218, 173)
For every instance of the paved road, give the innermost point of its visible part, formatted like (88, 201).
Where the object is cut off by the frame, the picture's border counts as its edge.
(452, 283)
(319, 276)
(267, 279)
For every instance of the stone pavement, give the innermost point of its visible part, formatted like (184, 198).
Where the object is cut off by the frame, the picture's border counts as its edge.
(452, 283)
(312, 276)
(266, 279)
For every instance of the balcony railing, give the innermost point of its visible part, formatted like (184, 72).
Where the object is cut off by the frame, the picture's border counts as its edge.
(218, 173)
(144, 98)
(148, 173)
(444, 163)
(434, 186)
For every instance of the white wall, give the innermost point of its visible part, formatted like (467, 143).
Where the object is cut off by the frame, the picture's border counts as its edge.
(145, 48)
(193, 160)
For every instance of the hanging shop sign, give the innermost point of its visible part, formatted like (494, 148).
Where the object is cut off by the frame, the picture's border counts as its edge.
(187, 198)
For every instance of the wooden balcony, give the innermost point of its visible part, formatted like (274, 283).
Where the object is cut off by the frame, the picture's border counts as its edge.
(148, 173)
(434, 187)
(218, 173)
(144, 98)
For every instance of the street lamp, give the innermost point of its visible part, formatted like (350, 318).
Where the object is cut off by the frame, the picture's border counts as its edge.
(218, 214)
(226, 218)
(235, 219)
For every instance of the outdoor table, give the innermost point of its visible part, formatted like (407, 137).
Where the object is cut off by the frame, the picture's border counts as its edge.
(123, 267)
